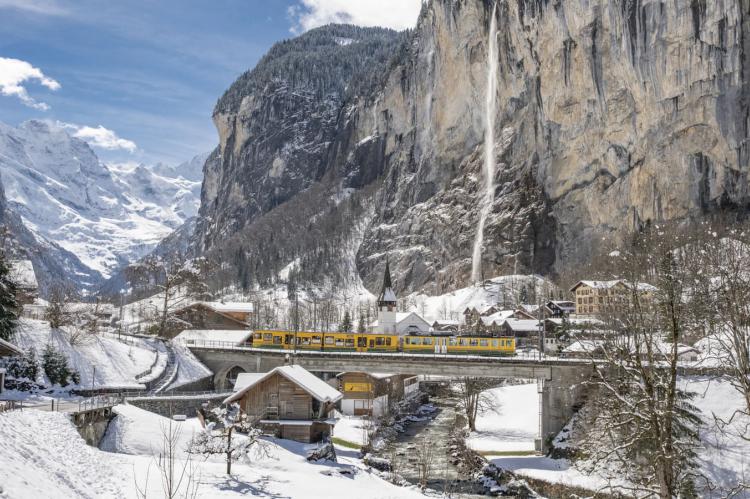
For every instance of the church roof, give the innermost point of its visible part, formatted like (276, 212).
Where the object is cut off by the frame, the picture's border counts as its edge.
(386, 293)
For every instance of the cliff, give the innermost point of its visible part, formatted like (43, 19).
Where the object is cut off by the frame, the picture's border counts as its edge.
(610, 114)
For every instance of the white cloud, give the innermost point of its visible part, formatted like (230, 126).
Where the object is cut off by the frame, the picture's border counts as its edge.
(396, 14)
(14, 73)
(101, 137)
(45, 7)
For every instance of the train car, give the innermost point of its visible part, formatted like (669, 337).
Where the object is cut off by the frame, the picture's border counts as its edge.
(458, 345)
(362, 342)
(332, 342)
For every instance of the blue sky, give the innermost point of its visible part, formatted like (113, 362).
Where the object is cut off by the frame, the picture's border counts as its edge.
(139, 78)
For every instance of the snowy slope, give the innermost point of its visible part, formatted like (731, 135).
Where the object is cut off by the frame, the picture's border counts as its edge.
(103, 361)
(106, 215)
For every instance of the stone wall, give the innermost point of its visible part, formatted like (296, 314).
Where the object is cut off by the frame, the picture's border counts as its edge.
(170, 406)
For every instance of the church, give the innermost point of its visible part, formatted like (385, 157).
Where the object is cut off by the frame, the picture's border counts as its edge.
(390, 321)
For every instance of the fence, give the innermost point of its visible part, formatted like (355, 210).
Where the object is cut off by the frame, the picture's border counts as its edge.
(10, 405)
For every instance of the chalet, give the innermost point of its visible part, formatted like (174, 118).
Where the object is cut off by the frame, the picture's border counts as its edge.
(369, 393)
(447, 325)
(22, 273)
(216, 315)
(288, 402)
(582, 349)
(389, 320)
(526, 311)
(559, 308)
(594, 297)
(525, 331)
(471, 317)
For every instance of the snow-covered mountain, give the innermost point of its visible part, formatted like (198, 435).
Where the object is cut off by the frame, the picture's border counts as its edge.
(107, 215)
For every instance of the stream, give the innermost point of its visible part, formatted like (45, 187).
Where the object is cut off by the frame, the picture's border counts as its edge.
(428, 441)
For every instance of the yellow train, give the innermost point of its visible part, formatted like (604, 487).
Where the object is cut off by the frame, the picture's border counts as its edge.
(366, 342)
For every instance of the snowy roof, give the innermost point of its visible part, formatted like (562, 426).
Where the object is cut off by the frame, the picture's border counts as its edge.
(402, 316)
(372, 375)
(236, 336)
(246, 379)
(9, 347)
(498, 317)
(225, 307)
(641, 286)
(529, 308)
(22, 273)
(448, 322)
(300, 376)
(583, 346)
(526, 325)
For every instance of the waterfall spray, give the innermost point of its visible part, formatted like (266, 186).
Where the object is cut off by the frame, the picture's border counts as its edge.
(489, 147)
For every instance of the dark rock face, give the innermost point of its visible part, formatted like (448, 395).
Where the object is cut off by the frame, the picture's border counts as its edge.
(610, 114)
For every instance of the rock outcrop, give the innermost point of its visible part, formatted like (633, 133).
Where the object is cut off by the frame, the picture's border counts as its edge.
(610, 114)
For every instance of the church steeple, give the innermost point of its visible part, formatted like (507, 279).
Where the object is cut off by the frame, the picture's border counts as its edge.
(387, 297)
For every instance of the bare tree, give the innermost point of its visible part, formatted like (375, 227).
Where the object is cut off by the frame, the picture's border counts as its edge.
(640, 422)
(179, 478)
(177, 281)
(218, 437)
(473, 401)
(58, 312)
(425, 453)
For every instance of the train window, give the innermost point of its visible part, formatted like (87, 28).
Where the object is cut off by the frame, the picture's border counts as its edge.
(267, 337)
(316, 340)
(277, 340)
(329, 340)
(427, 341)
(463, 341)
(415, 341)
(494, 343)
(483, 343)
(257, 336)
(379, 341)
(388, 341)
(452, 341)
(474, 342)
(339, 342)
(350, 342)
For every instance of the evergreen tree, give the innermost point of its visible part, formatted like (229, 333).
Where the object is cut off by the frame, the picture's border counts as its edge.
(23, 366)
(346, 324)
(8, 303)
(56, 368)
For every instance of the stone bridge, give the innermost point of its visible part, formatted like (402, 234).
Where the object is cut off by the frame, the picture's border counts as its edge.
(559, 380)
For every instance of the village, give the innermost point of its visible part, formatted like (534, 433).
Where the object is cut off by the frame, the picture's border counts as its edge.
(429, 433)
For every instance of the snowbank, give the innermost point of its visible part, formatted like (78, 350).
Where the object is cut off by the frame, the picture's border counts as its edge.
(514, 423)
(189, 369)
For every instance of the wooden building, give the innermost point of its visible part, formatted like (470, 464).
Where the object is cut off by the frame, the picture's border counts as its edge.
(216, 315)
(288, 402)
(7, 349)
(370, 394)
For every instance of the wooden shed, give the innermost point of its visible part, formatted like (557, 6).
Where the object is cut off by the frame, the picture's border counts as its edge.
(288, 402)
(369, 394)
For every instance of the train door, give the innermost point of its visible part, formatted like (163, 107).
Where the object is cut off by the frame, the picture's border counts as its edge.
(288, 341)
(361, 343)
(441, 345)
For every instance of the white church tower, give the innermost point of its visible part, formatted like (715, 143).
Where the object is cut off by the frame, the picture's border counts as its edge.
(387, 305)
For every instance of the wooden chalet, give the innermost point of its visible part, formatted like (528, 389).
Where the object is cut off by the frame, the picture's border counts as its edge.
(288, 402)
(216, 315)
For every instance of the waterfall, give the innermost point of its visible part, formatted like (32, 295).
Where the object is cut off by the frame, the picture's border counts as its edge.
(489, 147)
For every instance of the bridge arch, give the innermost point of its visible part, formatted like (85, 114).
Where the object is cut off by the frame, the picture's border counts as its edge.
(224, 378)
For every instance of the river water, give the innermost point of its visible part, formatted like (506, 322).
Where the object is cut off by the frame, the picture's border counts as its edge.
(426, 445)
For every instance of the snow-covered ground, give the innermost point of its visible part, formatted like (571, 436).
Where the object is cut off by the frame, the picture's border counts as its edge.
(41, 455)
(353, 429)
(189, 369)
(724, 457)
(100, 360)
(513, 423)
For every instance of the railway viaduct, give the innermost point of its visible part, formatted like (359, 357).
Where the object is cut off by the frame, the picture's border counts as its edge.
(560, 382)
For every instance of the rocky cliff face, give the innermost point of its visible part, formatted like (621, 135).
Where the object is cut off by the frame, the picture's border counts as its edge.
(610, 114)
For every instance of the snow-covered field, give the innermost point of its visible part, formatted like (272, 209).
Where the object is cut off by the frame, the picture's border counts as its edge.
(101, 361)
(353, 429)
(513, 423)
(41, 455)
